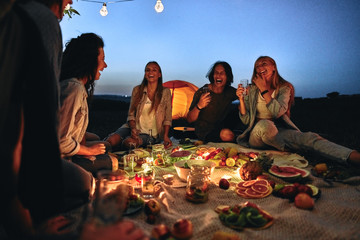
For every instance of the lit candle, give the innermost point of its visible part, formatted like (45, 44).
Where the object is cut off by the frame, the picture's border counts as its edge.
(168, 179)
(149, 160)
(227, 177)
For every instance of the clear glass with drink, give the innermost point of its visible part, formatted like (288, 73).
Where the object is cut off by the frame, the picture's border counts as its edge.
(245, 84)
(111, 196)
(205, 89)
(130, 161)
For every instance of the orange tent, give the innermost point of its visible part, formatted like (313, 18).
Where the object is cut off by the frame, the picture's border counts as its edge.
(182, 94)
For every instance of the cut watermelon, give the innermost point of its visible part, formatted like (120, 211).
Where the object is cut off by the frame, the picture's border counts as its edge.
(288, 173)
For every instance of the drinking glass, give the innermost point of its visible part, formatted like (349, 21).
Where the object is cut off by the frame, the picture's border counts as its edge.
(205, 89)
(147, 183)
(245, 84)
(150, 141)
(130, 161)
(111, 196)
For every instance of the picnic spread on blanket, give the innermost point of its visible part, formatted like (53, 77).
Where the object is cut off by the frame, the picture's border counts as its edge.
(221, 190)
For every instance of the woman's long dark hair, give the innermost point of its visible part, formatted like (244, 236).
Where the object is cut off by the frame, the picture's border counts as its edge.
(277, 81)
(80, 59)
(158, 92)
(228, 71)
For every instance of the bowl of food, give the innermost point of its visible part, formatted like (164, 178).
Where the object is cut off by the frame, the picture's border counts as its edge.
(177, 156)
(183, 167)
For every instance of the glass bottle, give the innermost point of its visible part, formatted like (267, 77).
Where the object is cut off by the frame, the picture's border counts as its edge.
(150, 141)
(197, 187)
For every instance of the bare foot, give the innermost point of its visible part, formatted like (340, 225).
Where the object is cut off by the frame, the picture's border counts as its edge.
(354, 158)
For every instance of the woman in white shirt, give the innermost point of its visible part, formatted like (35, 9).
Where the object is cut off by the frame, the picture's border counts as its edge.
(266, 111)
(149, 117)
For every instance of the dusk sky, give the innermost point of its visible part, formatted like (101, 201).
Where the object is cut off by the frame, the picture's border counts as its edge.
(316, 43)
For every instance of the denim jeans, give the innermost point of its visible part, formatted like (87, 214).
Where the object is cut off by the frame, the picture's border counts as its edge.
(265, 133)
(126, 132)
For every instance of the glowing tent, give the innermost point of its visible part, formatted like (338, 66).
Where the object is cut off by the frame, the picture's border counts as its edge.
(182, 94)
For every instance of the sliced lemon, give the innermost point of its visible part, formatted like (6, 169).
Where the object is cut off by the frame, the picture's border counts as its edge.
(230, 162)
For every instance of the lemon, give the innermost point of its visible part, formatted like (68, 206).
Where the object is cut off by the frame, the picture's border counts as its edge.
(241, 161)
(243, 157)
(230, 162)
(232, 152)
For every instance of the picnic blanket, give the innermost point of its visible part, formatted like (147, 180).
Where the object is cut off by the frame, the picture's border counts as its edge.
(336, 214)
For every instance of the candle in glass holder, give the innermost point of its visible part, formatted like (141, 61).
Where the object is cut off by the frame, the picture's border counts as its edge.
(168, 179)
(227, 177)
(147, 183)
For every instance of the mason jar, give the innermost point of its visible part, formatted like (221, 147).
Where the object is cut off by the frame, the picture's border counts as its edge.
(197, 188)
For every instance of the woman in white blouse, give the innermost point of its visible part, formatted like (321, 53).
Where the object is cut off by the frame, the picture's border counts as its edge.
(149, 117)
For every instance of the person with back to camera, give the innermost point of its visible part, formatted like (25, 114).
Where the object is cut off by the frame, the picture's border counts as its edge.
(30, 37)
(150, 109)
(266, 112)
(83, 59)
(211, 104)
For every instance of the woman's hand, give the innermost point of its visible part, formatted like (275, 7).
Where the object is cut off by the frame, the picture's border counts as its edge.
(125, 230)
(54, 226)
(240, 92)
(167, 142)
(260, 82)
(204, 100)
(135, 133)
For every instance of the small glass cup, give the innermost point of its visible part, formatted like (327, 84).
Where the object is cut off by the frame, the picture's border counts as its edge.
(168, 179)
(205, 89)
(245, 84)
(111, 196)
(147, 183)
(130, 161)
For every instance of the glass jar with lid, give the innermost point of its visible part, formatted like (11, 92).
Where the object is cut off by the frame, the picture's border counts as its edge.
(197, 188)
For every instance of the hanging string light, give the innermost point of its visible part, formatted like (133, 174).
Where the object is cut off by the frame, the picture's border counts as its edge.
(103, 10)
(159, 7)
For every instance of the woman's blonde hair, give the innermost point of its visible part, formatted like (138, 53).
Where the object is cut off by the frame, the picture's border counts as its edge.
(277, 81)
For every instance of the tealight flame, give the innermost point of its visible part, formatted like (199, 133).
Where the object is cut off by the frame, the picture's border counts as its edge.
(227, 177)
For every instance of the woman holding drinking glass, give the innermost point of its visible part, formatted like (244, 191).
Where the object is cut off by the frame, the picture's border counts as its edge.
(266, 112)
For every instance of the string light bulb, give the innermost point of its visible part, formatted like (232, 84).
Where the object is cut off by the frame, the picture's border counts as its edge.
(159, 7)
(103, 10)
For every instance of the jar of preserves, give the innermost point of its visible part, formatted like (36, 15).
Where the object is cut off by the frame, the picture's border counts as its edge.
(197, 188)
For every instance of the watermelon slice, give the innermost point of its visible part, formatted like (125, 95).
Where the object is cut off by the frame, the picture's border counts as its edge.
(288, 173)
(180, 155)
